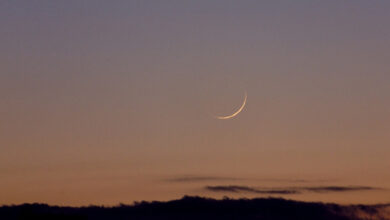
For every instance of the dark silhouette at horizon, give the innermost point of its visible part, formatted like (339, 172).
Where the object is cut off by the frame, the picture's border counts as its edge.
(201, 208)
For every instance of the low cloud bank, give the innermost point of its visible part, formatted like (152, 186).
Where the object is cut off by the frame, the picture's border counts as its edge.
(238, 189)
(287, 190)
(191, 178)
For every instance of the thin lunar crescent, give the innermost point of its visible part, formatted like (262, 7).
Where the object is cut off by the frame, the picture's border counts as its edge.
(235, 113)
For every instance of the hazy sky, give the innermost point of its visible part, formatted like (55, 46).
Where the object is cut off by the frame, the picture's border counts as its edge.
(102, 101)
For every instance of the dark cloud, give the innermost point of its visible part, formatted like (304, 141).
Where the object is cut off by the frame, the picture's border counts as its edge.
(289, 180)
(237, 189)
(338, 188)
(286, 190)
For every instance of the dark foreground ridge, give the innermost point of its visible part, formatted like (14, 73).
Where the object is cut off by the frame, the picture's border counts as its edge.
(201, 208)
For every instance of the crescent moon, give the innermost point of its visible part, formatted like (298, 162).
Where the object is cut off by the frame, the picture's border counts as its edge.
(235, 113)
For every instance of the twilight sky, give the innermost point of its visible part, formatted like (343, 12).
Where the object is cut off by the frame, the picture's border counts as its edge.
(108, 101)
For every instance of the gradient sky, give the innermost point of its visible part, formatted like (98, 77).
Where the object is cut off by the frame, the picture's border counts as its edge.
(102, 101)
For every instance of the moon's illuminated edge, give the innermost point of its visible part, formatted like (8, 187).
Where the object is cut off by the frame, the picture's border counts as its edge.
(235, 113)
